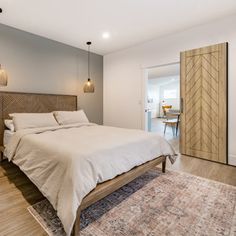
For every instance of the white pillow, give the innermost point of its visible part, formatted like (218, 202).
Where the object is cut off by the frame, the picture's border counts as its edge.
(9, 124)
(70, 117)
(33, 120)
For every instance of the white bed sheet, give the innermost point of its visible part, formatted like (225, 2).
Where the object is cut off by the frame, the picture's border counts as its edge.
(67, 162)
(7, 136)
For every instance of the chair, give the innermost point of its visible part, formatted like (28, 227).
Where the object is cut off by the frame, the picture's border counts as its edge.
(172, 119)
(165, 109)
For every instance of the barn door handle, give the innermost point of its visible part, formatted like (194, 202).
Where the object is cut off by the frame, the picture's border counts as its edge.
(182, 105)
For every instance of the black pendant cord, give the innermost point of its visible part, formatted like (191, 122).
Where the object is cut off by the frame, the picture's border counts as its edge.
(89, 87)
(89, 61)
(88, 43)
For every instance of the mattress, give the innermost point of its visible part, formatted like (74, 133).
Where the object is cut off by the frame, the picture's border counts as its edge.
(7, 136)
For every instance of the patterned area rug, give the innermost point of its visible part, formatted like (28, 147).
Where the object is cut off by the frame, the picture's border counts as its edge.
(155, 204)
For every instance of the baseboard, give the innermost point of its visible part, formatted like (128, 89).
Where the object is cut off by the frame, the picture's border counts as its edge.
(232, 159)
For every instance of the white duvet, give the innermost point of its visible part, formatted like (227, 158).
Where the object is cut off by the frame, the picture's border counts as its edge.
(67, 162)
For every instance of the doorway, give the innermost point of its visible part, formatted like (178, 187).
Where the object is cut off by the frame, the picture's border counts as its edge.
(203, 104)
(163, 102)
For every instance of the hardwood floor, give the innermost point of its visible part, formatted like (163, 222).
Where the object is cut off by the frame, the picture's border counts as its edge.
(206, 169)
(203, 168)
(17, 192)
(210, 170)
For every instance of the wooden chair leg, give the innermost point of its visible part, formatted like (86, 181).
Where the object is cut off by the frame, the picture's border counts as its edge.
(173, 130)
(76, 228)
(177, 128)
(164, 166)
(165, 129)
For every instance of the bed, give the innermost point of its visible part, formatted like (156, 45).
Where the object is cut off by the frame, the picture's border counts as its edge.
(76, 165)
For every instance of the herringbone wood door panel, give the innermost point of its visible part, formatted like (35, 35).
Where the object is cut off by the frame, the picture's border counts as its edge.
(204, 103)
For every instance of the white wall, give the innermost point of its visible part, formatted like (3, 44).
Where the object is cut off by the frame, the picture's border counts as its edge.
(123, 72)
(154, 93)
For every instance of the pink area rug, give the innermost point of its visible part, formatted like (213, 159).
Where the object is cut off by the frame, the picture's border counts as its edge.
(155, 204)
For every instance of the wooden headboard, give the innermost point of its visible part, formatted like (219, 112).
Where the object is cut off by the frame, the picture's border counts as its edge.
(11, 102)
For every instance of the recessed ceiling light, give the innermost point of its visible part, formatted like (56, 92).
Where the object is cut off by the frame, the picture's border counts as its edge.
(106, 35)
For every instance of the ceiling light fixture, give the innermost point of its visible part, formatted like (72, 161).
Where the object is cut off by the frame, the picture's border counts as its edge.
(89, 87)
(106, 35)
(0, 10)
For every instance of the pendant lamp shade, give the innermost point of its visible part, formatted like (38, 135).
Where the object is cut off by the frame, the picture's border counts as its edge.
(89, 86)
(3, 77)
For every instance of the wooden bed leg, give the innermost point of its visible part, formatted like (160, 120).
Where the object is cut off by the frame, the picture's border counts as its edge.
(76, 228)
(1, 153)
(164, 166)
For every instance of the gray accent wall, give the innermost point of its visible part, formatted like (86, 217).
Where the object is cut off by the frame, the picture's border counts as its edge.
(39, 65)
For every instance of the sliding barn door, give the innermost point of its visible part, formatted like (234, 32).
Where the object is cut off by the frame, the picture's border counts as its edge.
(204, 103)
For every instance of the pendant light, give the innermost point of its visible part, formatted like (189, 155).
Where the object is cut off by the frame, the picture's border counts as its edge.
(3, 77)
(89, 87)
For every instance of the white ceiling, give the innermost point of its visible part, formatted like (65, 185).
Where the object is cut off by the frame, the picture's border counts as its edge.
(129, 22)
(164, 81)
(164, 71)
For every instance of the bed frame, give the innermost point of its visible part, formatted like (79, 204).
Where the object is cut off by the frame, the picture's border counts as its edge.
(11, 102)
(104, 189)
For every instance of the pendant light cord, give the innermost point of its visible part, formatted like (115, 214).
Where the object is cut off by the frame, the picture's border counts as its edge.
(89, 61)
(89, 87)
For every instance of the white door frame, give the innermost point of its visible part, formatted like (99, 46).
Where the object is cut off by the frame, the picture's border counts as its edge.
(144, 90)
